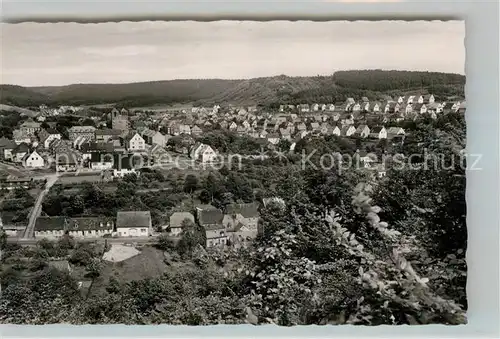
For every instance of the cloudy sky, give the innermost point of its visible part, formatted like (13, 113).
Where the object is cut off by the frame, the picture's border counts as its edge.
(35, 54)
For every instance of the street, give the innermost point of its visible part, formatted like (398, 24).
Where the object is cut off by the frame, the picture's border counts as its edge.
(37, 208)
(136, 240)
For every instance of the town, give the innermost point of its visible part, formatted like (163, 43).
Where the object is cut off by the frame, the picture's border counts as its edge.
(116, 145)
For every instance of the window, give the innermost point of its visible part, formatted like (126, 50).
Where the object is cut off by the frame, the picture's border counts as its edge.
(143, 230)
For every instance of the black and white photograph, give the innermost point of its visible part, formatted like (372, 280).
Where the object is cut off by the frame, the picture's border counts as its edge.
(233, 172)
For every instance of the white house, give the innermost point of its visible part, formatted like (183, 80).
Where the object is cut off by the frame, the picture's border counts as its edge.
(34, 160)
(101, 161)
(136, 143)
(133, 223)
(125, 164)
(347, 131)
(177, 220)
(378, 132)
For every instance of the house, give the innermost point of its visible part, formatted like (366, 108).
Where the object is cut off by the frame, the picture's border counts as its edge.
(210, 218)
(273, 138)
(153, 137)
(134, 142)
(330, 107)
(419, 108)
(196, 131)
(60, 146)
(428, 99)
(126, 164)
(46, 136)
(184, 129)
(405, 109)
(233, 126)
(19, 152)
(30, 127)
(350, 102)
(394, 131)
(378, 132)
(21, 137)
(87, 132)
(374, 107)
(401, 99)
(133, 223)
(362, 131)
(88, 149)
(50, 227)
(366, 159)
(303, 108)
(347, 131)
(203, 153)
(315, 107)
(177, 220)
(462, 107)
(434, 107)
(105, 135)
(67, 162)
(355, 107)
(101, 161)
(6, 148)
(89, 227)
(246, 214)
(33, 160)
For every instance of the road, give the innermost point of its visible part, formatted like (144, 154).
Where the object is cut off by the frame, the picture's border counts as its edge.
(37, 208)
(137, 240)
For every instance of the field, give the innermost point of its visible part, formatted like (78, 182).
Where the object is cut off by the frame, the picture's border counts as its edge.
(71, 179)
(148, 264)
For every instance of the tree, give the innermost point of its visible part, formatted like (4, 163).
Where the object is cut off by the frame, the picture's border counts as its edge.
(190, 183)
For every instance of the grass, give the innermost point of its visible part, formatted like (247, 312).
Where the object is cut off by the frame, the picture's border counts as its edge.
(148, 264)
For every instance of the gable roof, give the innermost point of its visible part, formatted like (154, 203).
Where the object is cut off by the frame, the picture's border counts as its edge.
(133, 219)
(89, 223)
(177, 218)
(50, 223)
(250, 210)
(210, 216)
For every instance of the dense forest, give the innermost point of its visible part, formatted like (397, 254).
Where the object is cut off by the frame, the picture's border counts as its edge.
(344, 249)
(266, 91)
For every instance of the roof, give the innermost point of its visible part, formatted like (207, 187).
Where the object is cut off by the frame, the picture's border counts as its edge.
(246, 210)
(6, 143)
(52, 131)
(377, 129)
(125, 161)
(101, 157)
(89, 223)
(97, 146)
(177, 218)
(108, 131)
(133, 219)
(22, 147)
(50, 223)
(81, 129)
(210, 216)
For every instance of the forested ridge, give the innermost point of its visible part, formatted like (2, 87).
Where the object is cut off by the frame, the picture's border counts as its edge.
(266, 91)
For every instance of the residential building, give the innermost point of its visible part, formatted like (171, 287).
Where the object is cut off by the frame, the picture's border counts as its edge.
(133, 223)
(89, 227)
(33, 160)
(203, 153)
(6, 148)
(134, 142)
(177, 220)
(68, 162)
(378, 132)
(87, 132)
(125, 164)
(210, 218)
(46, 136)
(362, 131)
(30, 127)
(347, 131)
(107, 134)
(101, 161)
(50, 227)
(19, 152)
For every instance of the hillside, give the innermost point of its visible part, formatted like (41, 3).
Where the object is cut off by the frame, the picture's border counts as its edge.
(266, 90)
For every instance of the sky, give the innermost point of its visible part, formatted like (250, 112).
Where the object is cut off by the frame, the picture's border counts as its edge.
(50, 54)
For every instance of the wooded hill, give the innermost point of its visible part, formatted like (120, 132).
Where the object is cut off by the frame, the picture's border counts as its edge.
(267, 90)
